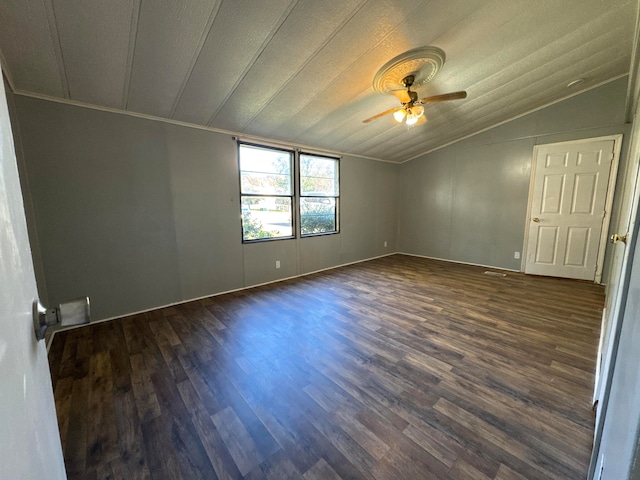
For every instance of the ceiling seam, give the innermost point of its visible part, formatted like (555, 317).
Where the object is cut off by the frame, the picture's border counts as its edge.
(450, 114)
(484, 80)
(523, 59)
(57, 46)
(433, 134)
(133, 37)
(314, 54)
(180, 123)
(254, 59)
(362, 93)
(434, 41)
(517, 117)
(473, 99)
(365, 55)
(194, 59)
(355, 62)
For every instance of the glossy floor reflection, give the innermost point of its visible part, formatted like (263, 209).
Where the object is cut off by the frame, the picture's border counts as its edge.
(396, 368)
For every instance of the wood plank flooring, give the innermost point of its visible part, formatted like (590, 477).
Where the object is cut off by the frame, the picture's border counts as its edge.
(396, 368)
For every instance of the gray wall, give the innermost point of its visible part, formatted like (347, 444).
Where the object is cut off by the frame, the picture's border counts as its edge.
(468, 202)
(138, 214)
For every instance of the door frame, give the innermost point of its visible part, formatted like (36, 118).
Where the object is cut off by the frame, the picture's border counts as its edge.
(613, 173)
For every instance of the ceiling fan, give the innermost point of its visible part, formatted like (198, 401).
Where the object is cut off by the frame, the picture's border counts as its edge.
(412, 111)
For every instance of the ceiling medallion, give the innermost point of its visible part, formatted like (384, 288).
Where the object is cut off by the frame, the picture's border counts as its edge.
(423, 63)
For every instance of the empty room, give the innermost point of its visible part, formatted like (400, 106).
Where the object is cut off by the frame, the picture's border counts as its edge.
(320, 240)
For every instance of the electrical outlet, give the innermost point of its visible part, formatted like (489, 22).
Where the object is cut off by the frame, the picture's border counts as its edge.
(385, 243)
(277, 263)
(516, 255)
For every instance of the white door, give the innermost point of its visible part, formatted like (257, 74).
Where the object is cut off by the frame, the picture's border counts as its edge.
(29, 439)
(567, 208)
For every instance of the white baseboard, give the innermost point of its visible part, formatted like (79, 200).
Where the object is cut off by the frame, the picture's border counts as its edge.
(50, 339)
(457, 261)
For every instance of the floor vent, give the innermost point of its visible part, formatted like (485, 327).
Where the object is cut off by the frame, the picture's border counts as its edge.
(495, 274)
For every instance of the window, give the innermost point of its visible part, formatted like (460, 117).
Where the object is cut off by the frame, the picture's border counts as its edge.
(319, 195)
(266, 192)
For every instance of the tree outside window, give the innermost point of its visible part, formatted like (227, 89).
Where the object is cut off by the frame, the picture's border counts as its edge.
(319, 194)
(266, 192)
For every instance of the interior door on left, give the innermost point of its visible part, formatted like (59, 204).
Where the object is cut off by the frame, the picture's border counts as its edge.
(29, 439)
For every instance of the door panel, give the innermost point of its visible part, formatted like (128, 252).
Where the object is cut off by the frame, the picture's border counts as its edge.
(29, 439)
(569, 192)
(577, 247)
(547, 245)
(584, 193)
(552, 193)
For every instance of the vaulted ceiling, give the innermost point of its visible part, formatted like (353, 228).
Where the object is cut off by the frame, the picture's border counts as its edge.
(301, 71)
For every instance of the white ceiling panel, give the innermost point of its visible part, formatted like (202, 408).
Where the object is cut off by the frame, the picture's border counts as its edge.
(352, 89)
(336, 57)
(309, 26)
(169, 36)
(94, 37)
(239, 34)
(27, 47)
(301, 71)
(488, 105)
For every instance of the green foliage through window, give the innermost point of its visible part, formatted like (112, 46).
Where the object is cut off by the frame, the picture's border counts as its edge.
(266, 192)
(319, 194)
(268, 195)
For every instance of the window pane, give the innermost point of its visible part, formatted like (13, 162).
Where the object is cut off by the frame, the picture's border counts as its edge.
(318, 176)
(266, 217)
(317, 215)
(264, 171)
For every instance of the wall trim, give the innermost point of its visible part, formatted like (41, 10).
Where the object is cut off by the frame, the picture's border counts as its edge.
(458, 261)
(575, 94)
(244, 136)
(49, 340)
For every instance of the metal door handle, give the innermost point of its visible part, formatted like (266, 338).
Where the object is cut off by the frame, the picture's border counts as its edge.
(536, 219)
(615, 238)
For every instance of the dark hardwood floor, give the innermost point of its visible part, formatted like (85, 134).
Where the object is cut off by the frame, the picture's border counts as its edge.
(396, 368)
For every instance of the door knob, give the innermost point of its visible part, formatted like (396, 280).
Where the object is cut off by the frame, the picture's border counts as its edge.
(75, 312)
(615, 238)
(536, 219)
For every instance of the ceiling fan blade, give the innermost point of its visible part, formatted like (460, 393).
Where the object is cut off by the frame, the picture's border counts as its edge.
(444, 97)
(386, 112)
(402, 95)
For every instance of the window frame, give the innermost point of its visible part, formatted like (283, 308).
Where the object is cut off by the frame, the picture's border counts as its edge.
(296, 195)
(300, 195)
(292, 196)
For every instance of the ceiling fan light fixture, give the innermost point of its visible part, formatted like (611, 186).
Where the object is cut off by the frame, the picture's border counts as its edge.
(412, 118)
(399, 115)
(400, 74)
